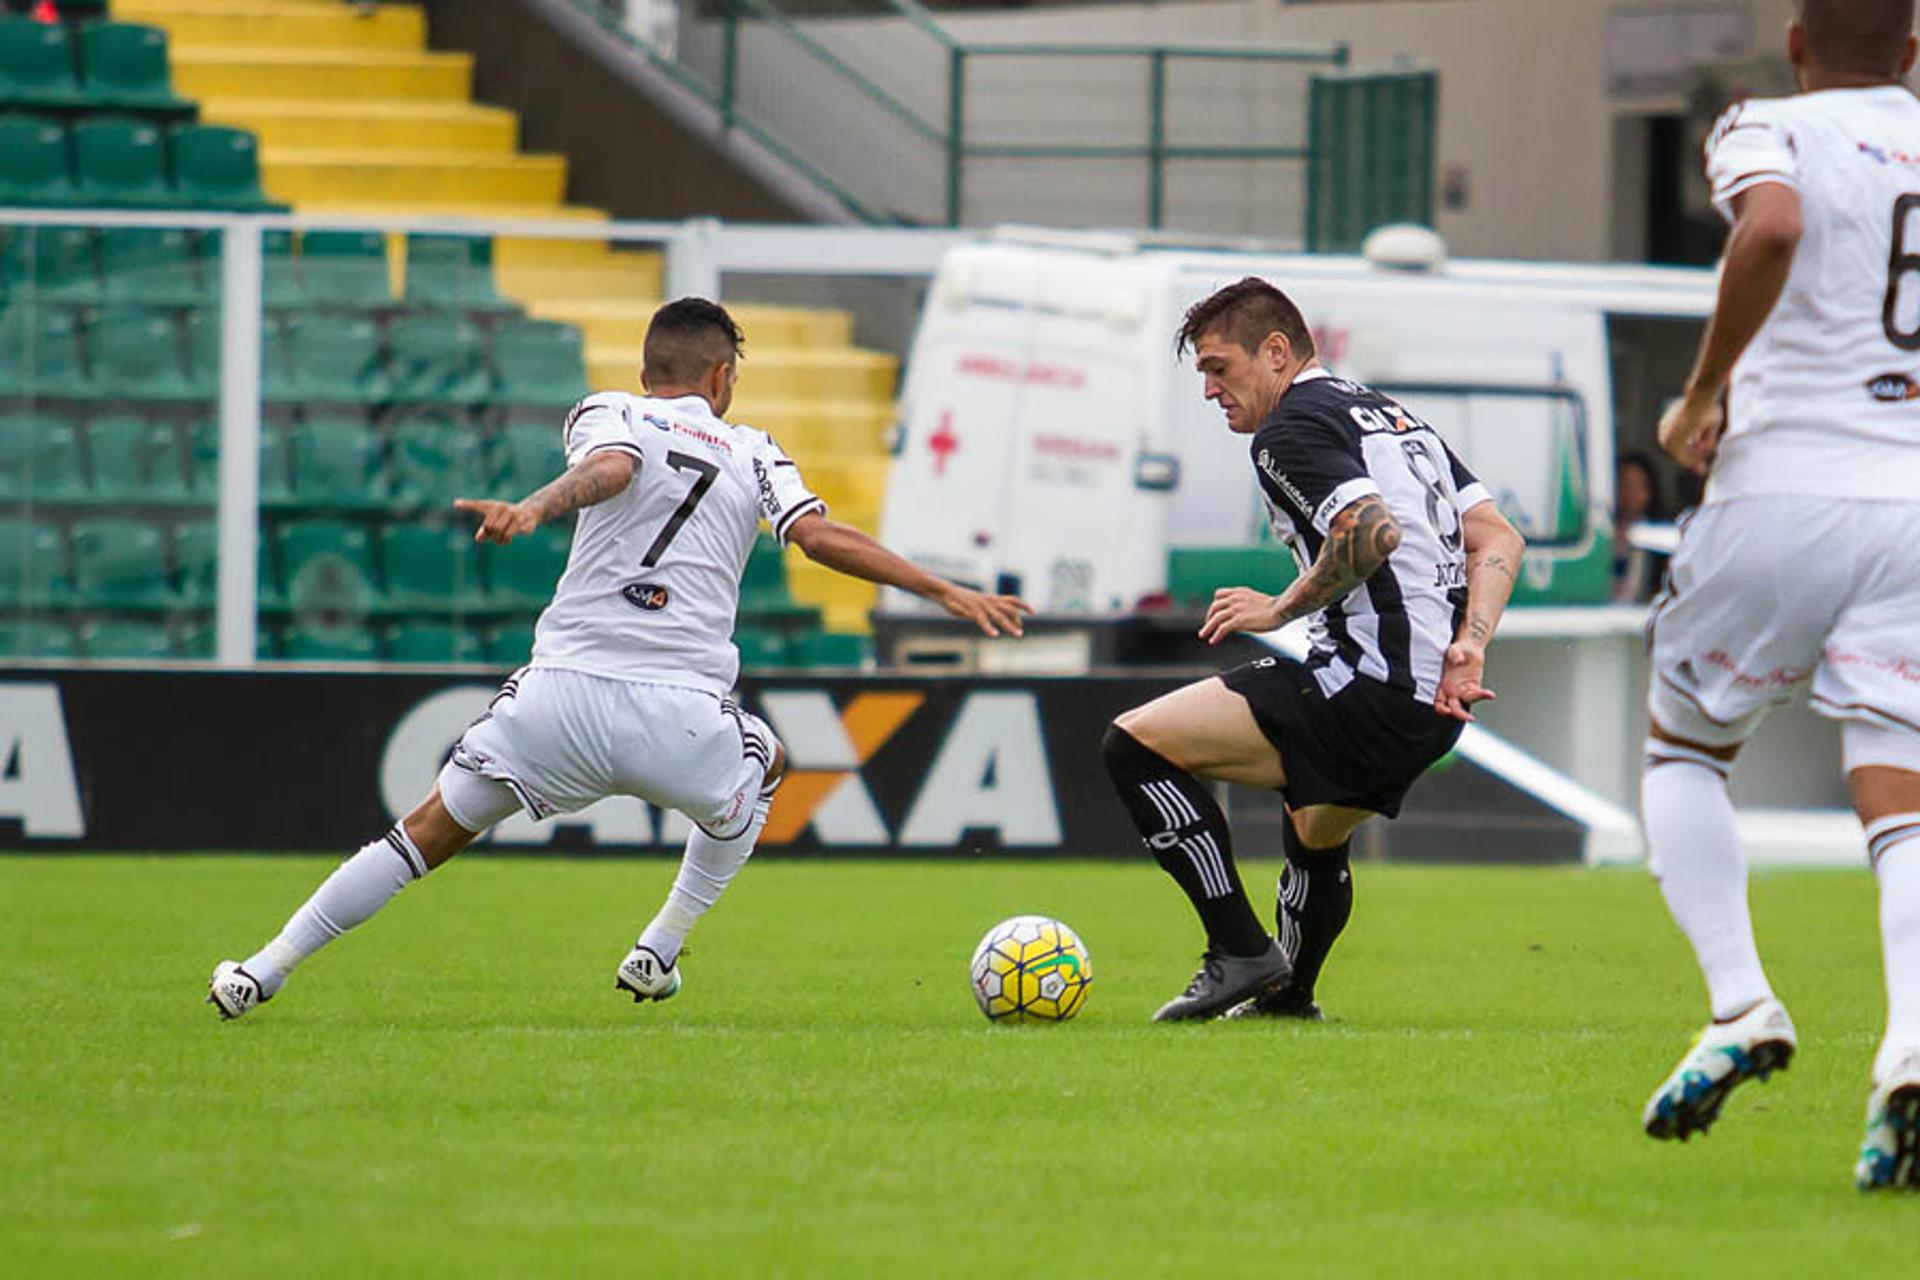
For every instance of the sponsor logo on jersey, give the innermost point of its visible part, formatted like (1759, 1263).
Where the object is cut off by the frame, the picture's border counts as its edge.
(650, 596)
(1891, 388)
(1280, 481)
(683, 429)
(1887, 155)
(768, 503)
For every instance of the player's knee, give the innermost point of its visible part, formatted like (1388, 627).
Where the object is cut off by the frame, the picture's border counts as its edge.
(435, 832)
(1120, 751)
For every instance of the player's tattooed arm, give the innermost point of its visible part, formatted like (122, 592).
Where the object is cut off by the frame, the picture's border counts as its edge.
(596, 477)
(1359, 540)
(1494, 550)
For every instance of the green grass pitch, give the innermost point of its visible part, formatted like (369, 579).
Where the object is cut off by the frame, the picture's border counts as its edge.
(457, 1089)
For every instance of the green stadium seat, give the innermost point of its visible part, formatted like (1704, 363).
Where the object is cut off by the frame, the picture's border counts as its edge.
(203, 329)
(124, 65)
(452, 273)
(510, 644)
(39, 459)
(120, 563)
(201, 641)
(33, 563)
(203, 459)
(335, 461)
(333, 357)
(760, 648)
(763, 584)
(429, 566)
(40, 351)
(36, 65)
(538, 362)
(526, 457)
(433, 642)
(344, 269)
(121, 162)
(136, 460)
(157, 267)
(307, 642)
(135, 351)
(435, 359)
(125, 641)
(525, 570)
(280, 271)
(34, 166)
(326, 568)
(435, 461)
(196, 559)
(218, 167)
(49, 264)
(37, 638)
(831, 649)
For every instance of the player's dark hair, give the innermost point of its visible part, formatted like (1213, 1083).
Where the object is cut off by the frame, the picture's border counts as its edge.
(1245, 312)
(1865, 37)
(685, 339)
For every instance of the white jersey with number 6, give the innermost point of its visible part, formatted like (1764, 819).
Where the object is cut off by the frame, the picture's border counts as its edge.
(652, 583)
(1826, 400)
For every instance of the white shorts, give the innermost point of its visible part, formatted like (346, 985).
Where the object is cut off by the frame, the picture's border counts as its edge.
(555, 741)
(1768, 596)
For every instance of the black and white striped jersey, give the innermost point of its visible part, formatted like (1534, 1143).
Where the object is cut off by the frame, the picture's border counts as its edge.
(1329, 443)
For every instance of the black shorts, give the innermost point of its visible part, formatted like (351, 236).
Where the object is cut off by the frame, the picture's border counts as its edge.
(1361, 748)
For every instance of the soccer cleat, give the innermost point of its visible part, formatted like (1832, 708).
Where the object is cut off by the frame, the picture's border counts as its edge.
(1890, 1155)
(1278, 1002)
(1222, 982)
(233, 991)
(1756, 1044)
(642, 974)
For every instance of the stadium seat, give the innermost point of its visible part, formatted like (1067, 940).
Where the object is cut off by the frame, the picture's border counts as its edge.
(124, 65)
(196, 559)
(39, 458)
(34, 167)
(203, 331)
(37, 638)
(134, 351)
(36, 65)
(202, 641)
(436, 461)
(761, 648)
(33, 563)
(510, 644)
(324, 643)
(538, 362)
(203, 447)
(157, 267)
(452, 273)
(326, 568)
(433, 642)
(763, 585)
(429, 566)
(344, 269)
(39, 351)
(334, 357)
(136, 460)
(280, 271)
(126, 641)
(435, 359)
(525, 570)
(526, 457)
(335, 461)
(120, 563)
(44, 264)
(831, 649)
(121, 162)
(217, 167)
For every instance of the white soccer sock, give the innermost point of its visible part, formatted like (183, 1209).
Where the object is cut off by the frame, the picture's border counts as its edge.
(1694, 852)
(706, 868)
(1893, 843)
(358, 887)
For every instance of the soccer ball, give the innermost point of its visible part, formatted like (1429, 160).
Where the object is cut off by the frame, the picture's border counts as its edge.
(1030, 969)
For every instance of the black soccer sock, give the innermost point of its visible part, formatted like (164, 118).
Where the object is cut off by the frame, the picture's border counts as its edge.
(1314, 899)
(1178, 819)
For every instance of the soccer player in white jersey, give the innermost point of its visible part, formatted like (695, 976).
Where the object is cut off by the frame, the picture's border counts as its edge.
(1405, 567)
(628, 689)
(1815, 345)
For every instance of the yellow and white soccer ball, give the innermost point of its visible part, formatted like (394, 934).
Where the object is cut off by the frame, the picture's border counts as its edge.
(1031, 969)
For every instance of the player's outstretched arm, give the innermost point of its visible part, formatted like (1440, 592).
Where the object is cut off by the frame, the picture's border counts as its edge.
(1359, 539)
(847, 550)
(1494, 549)
(1766, 234)
(597, 477)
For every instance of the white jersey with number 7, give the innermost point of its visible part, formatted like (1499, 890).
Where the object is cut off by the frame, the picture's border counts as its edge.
(1826, 400)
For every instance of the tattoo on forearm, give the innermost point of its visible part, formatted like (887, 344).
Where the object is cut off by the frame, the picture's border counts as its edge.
(582, 486)
(1479, 628)
(1494, 561)
(1361, 538)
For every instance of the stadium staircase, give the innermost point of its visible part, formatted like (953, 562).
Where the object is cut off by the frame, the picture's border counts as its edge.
(397, 369)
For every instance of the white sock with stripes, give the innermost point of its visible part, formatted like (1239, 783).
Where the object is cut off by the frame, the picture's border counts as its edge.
(358, 888)
(1694, 852)
(706, 869)
(1893, 842)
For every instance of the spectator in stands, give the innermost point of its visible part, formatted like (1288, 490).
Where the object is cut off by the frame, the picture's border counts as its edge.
(1636, 500)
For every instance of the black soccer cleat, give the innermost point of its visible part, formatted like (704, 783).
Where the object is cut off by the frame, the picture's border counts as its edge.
(1279, 1002)
(1222, 982)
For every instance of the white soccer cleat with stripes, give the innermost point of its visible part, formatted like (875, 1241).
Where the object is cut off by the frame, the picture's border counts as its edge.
(643, 975)
(1890, 1155)
(1753, 1046)
(233, 991)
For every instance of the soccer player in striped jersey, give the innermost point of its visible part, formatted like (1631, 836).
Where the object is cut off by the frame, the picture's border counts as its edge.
(1406, 565)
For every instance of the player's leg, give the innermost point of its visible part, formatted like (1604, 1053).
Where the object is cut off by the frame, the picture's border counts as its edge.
(1312, 903)
(1157, 755)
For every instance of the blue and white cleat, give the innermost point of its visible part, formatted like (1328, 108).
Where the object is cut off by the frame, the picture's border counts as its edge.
(1758, 1043)
(644, 976)
(1890, 1155)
